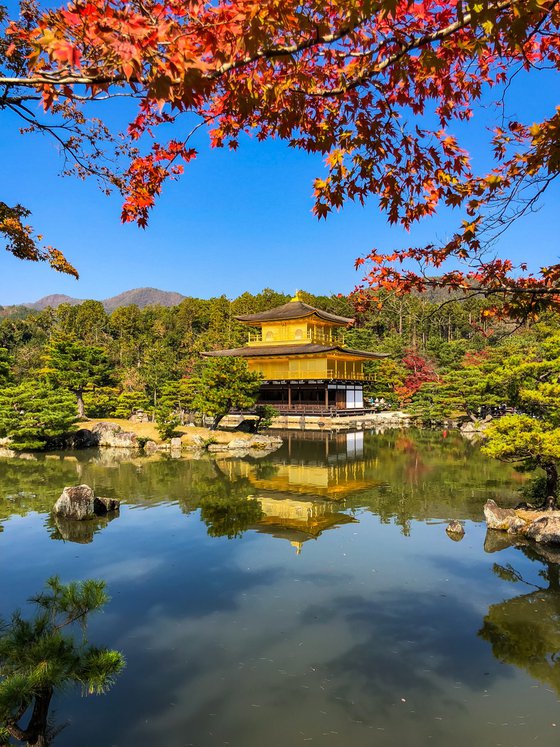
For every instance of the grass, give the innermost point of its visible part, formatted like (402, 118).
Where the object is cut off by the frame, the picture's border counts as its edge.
(185, 432)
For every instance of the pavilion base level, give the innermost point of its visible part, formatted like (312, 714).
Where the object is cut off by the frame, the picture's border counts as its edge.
(314, 397)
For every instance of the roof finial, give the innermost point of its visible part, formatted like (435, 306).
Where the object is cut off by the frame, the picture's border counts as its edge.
(296, 297)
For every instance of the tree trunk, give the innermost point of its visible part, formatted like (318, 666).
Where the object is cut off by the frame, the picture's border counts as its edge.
(216, 421)
(36, 732)
(551, 484)
(80, 401)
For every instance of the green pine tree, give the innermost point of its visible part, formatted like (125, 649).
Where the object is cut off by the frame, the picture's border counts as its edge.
(34, 415)
(224, 384)
(71, 364)
(44, 654)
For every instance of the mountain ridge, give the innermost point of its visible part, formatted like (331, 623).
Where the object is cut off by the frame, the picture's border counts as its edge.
(141, 297)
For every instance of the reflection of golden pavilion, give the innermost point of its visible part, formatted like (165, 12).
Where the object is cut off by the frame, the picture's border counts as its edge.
(333, 470)
(300, 487)
(297, 520)
(306, 367)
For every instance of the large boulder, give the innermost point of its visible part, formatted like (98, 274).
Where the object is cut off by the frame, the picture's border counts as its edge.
(238, 443)
(111, 434)
(150, 447)
(79, 503)
(498, 518)
(84, 439)
(542, 526)
(545, 529)
(193, 441)
(75, 503)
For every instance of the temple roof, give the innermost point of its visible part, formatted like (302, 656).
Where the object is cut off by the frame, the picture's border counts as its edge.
(294, 309)
(311, 348)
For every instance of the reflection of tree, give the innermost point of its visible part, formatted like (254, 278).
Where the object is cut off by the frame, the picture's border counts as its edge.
(265, 470)
(81, 532)
(41, 655)
(229, 517)
(398, 477)
(525, 630)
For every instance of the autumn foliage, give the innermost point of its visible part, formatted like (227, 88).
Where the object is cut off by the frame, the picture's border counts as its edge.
(372, 85)
(419, 372)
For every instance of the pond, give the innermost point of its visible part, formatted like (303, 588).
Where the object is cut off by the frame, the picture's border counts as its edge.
(311, 596)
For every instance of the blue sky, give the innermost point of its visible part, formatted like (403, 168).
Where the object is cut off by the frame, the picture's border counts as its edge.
(234, 222)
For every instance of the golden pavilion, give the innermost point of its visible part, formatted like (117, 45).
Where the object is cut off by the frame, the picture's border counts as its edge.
(301, 356)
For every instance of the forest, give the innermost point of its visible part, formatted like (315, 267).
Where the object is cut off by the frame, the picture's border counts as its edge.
(125, 360)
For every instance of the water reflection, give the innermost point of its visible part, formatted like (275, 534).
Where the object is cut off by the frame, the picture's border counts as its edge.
(525, 630)
(298, 520)
(370, 636)
(398, 476)
(81, 532)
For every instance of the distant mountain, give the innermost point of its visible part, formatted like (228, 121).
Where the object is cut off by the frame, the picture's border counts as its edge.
(53, 300)
(142, 297)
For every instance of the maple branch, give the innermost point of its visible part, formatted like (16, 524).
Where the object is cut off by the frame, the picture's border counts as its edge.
(70, 79)
(51, 130)
(416, 43)
(292, 48)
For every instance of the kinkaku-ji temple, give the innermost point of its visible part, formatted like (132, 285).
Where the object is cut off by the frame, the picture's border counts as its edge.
(301, 356)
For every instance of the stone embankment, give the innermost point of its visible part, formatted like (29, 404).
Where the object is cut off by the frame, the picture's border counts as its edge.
(373, 420)
(112, 435)
(540, 526)
(109, 435)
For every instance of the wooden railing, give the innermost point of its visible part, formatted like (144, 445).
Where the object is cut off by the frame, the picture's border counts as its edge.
(314, 409)
(329, 374)
(312, 336)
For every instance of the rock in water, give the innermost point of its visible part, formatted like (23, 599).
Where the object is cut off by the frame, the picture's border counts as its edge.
(455, 530)
(545, 529)
(498, 518)
(79, 503)
(103, 506)
(537, 525)
(76, 503)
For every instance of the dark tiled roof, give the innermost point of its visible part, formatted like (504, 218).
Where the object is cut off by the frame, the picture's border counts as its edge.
(311, 348)
(292, 310)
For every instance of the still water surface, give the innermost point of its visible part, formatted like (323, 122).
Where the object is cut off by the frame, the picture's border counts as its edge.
(311, 596)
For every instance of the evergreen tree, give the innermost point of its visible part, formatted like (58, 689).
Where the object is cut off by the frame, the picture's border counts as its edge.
(177, 397)
(5, 366)
(33, 415)
(73, 365)
(222, 385)
(529, 442)
(157, 368)
(128, 402)
(42, 655)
